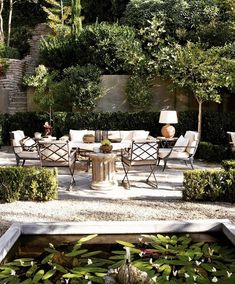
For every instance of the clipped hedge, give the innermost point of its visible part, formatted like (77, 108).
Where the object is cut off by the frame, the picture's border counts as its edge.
(27, 183)
(214, 126)
(213, 153)
(209, 185)
(228, 164)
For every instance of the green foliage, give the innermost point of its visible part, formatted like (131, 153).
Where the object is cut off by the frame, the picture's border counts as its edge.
(20, 39)
(138, 92)
(111, 47)
(45, 88)
(27, 183)
(79, 88)
(8, 52)
(210, 152)
(76, 19)
(58, 13)
(209, 21)
(228, 164)
(173, 259)
(209, 185)
(108, 10)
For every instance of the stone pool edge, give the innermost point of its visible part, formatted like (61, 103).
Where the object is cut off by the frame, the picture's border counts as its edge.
(9, 238)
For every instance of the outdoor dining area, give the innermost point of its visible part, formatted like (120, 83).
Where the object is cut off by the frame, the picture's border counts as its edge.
(112, 157)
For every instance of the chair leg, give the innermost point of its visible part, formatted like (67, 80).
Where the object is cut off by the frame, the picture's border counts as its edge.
(191, 163)
(165, 162)
(153, 168)
(23, 163)
(126, 176)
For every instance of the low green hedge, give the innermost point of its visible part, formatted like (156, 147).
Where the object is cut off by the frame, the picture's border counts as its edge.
(211, 153)
(27, 183)
(209, 185)
(228, 164)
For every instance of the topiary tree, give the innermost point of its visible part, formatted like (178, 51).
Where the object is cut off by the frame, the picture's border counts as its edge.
(200, 71)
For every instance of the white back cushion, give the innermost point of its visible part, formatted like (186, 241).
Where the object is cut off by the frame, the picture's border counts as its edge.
(233, 137)
(192, 136)
(126, 134)
(77, 135)
(181, 144)
(140, 135)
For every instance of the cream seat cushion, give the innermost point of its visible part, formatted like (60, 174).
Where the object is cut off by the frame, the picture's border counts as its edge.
(77, 135)
(163, 152)
(140, 135)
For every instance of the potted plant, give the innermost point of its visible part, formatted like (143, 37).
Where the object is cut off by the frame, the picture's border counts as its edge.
(106, 146)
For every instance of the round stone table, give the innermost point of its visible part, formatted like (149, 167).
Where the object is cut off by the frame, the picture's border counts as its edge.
(103, 171)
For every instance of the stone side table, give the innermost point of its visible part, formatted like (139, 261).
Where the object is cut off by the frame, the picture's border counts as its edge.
(103, 171)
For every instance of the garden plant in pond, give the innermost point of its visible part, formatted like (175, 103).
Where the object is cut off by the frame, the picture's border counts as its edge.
(154, 259)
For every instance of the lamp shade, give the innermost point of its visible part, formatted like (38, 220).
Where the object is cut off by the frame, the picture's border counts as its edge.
(168, 116)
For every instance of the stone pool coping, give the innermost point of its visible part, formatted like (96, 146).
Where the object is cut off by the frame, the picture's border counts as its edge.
(115, 227)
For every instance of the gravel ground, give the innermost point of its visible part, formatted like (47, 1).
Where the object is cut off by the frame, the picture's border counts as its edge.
(110, 210)
(83, 209)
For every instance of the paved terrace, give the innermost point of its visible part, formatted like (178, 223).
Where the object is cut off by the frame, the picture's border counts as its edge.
(170, 182)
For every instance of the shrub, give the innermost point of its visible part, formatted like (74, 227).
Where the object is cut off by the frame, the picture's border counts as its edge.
(138, 92)
(79, 89)
(212, 153)
(228, 164)
(209, 185)
(8, 52)
(21, 183)
(111, 47)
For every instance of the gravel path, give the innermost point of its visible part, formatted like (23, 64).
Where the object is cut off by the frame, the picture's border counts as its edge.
(110, 210)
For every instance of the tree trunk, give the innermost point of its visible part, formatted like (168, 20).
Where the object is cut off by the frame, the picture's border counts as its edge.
(1, 22)
(199, 125)
(62, 12)
(9, 22)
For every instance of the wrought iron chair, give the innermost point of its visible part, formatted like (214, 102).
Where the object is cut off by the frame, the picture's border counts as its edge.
(23, 151)
(140, 154)
(58, 153)
(231, 137)
(181, 152)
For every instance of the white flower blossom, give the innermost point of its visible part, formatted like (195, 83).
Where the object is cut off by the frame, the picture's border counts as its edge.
(229, 274)
(214, 279)
(141, 254)
(194, 277)
(154, 278)
(189, 258)
(13, 272)
(86, 276)
(31, 263)
(167, 246)
(167, 277)
(198, 262)
(213, 269)
(174, 272)
(89, 261)
(166, 257)
(186, 275)
(151, 261)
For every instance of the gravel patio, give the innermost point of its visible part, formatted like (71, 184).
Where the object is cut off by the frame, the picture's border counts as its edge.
(141, 202)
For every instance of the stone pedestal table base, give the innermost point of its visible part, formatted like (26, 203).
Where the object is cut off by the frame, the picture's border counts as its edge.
(103, 171)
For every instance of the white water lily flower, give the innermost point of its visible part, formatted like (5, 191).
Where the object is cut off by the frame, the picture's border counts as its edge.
(189, 258)
(214, 279)
(89, 261)
(229, 274)
(13, 272)
(198, 262)
(174, 272)
(186, 275)
(154, 278)
(213, 269)
(141, 254)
